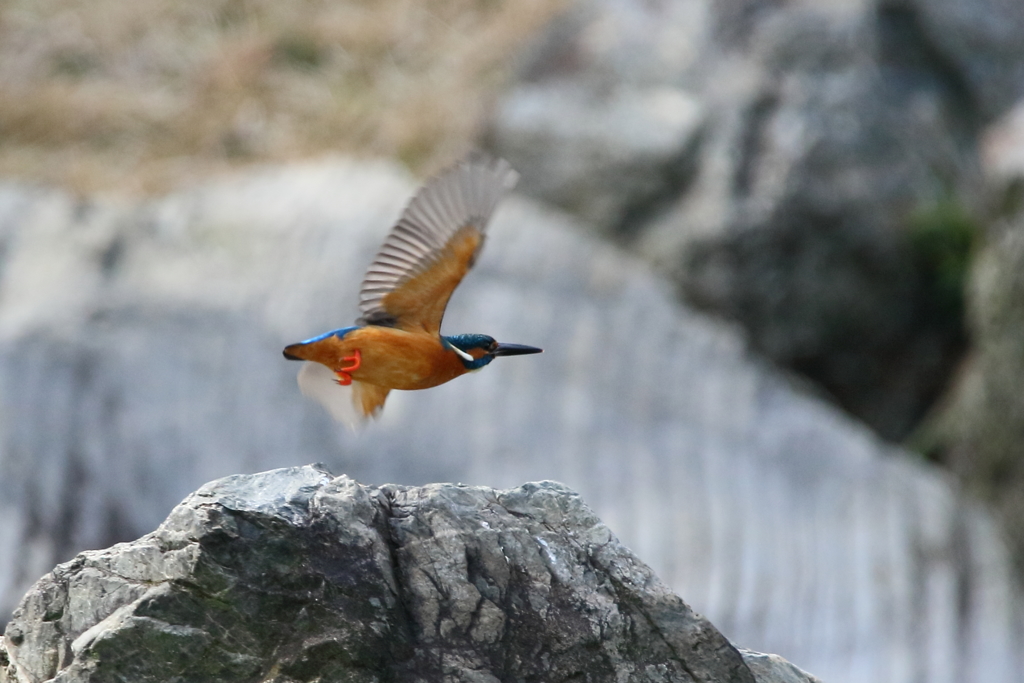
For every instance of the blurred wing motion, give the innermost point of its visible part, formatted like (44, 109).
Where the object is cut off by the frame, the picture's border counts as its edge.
(433, 246)
(351, 405)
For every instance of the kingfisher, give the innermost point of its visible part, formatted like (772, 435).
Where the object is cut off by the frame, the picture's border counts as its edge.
(396, 342)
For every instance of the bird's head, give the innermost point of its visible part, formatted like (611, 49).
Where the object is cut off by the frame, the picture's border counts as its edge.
(477, 350)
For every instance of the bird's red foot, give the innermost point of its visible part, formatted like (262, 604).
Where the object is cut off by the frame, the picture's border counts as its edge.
(344, 373)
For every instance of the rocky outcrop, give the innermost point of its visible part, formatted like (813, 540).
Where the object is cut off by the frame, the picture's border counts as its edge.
(806, 169)
(140, 356)
(295, 575)
(977, 432)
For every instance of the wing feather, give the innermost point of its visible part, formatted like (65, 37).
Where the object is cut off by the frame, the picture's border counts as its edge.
(433, 245)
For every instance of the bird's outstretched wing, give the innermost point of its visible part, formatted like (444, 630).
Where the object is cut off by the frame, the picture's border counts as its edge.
(433, 245)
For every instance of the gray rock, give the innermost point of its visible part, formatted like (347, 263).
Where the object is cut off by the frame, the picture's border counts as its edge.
(774, 668)
(295, 575)
(140, 355)
(981, 41)
(980, 426)
(602, 121)
(836, 138)
(633, 141)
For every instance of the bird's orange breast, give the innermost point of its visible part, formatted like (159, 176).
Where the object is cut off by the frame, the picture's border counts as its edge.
(389, 357)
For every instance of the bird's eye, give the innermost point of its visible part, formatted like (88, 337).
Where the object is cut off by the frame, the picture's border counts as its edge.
(493, 347)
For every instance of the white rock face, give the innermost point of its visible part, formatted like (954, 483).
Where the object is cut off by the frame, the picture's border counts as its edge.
(141, 356)
(781, 161)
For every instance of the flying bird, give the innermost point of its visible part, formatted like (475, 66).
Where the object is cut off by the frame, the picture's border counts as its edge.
(396, 342)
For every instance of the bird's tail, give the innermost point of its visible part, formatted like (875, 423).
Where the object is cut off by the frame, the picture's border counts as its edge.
(352, 405)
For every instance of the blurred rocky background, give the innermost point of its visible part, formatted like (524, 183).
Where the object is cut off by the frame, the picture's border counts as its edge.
(806, 419)
(828, 175)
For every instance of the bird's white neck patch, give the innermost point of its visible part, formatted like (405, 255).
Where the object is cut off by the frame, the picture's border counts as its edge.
(462, 354)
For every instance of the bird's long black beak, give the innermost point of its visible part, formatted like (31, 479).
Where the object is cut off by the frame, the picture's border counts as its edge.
(515, 350)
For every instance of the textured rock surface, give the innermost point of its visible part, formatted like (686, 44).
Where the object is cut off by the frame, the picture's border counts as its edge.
(774, 668)
(294, 575)
(810, 156)
(140, 356)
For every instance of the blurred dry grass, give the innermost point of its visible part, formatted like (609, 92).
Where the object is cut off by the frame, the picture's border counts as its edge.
(138, 96)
